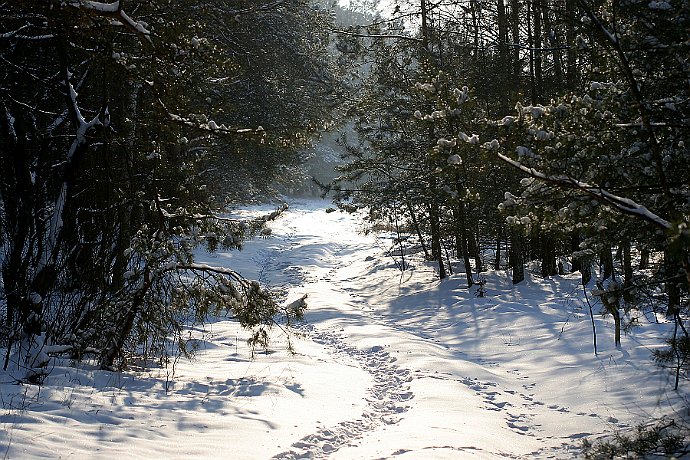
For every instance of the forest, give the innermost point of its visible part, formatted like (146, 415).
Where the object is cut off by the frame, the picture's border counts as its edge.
(517, 135)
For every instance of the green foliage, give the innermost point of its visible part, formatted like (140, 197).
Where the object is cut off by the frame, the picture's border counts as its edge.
(598, 137)
(663, 438)
(122, 135)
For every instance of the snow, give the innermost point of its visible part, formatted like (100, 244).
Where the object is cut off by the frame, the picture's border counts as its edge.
(621, 204)
(389, 365)
(100, 6)
(656, 5)
(454, 160)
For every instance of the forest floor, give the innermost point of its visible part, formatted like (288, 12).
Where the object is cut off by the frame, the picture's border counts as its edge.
(387, 365)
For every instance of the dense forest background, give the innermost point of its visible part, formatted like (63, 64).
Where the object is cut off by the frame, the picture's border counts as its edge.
(541, 134)
(127, 128)
(504, 134)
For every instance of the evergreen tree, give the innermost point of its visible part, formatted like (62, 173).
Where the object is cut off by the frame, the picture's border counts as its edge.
(116, 121)
(617, 149)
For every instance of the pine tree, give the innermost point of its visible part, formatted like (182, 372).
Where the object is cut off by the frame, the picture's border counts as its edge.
(112, 119)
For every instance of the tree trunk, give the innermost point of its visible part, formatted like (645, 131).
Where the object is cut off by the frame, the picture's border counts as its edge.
(515, 26)
(497, 252)
(611, 301)
(575, 247)
(475, 251)
(548, 256)
(436, 238)
(586, 271)
(530, 44)
(671, 271)
(644, 259)
(516, 256)
(125, 325)
(475, 28)
(461, 245)
(570, 40)
(606, 260)
(556, 52)
(19, 211)
(617, 326)
(503, 51)
(538, 86)
(627, 272)
(417, 229)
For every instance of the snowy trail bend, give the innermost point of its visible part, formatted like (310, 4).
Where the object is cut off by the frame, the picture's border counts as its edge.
(330, 259)
(450, 375)
(385, 401)
(391, 367)
(387, 396)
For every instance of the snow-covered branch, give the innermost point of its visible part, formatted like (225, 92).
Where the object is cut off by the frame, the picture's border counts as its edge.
(17, 35)
(113, 10)
(204, 268)
(83, 126)
(383, 36)
(621, 204)
(80, 139)
(609, 35)
(211, 126)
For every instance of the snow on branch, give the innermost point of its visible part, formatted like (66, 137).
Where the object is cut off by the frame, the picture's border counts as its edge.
(609, 35)
(211, 126)
(623, 205)
(113, 10)
(83, 126)
(101, 7)
(80, 140)
(383, 36)
(205, 268)
(17, 35)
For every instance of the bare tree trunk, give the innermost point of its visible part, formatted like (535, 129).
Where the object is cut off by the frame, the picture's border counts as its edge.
(517, 260)
(503, 51)
(417, 229)
(462, 232)
(627, 272)
(644, 259)
(671, 273)
(570, 38)
(436, 239)
(515, 26)
(617, 325)
(497, 252)
(554, 43)
(530, 44)
(548, 257)
(606, 260)
(475, 251)
(538, 96)
(474, 6)
(574, 247)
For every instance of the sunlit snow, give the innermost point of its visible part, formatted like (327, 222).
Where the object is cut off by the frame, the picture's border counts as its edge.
(389, 365)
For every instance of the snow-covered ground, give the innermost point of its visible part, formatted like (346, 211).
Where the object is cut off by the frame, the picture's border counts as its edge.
(388, 365)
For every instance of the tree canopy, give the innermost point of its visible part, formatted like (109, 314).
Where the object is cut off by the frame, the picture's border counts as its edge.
(126, 128)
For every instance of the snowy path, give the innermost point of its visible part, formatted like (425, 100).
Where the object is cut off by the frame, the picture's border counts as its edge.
(389, 390)
(389, 367)
(336, 307)
(436, 392)
(385, 399)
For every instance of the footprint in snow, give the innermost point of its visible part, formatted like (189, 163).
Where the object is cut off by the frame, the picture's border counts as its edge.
(385, 400)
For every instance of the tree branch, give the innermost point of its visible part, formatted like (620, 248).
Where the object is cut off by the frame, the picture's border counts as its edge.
(621, 204)
(113, 10)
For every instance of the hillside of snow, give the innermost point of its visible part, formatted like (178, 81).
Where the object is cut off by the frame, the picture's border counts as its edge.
(388, 365)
